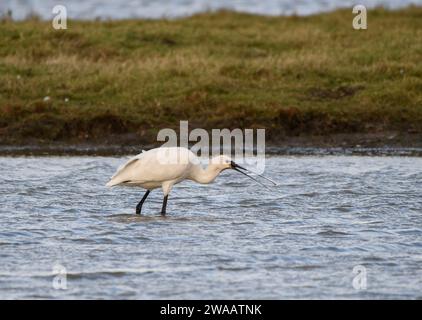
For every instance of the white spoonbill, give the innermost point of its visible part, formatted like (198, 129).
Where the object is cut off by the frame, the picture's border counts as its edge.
(164, 167)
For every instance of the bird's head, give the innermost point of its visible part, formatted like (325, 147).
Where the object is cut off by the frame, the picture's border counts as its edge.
(221, 163)
(224, 162)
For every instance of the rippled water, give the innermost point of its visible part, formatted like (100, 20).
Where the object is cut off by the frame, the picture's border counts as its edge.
(229, 239)
(123, 9)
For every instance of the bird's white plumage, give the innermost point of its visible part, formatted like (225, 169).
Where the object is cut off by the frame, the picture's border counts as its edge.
(164, 167)
(125, 165)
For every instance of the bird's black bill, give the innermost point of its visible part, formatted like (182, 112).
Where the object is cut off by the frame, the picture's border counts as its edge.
(238, 170)
(236, 167)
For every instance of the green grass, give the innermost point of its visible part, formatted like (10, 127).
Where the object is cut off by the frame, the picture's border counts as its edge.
(292, 75)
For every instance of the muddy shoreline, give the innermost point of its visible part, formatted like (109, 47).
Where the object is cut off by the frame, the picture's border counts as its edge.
(386, 143)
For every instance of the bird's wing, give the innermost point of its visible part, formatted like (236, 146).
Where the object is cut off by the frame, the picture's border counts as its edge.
(155, 165)
(115, 178)
(125, 165)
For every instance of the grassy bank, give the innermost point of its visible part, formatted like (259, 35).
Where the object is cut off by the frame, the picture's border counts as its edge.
(122, 81)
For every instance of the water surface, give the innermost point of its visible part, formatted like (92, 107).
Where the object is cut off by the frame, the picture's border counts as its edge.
(226, 240)
(123, 9)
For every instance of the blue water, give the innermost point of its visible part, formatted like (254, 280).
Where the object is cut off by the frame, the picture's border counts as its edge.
(122, 9)
(230, 239)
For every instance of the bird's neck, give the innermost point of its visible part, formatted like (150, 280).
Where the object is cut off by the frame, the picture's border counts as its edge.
(204, 176)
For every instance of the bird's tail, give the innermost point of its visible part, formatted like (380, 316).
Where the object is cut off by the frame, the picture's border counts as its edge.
(112, 183)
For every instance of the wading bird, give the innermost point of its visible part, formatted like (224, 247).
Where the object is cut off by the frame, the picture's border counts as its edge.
(164, 167)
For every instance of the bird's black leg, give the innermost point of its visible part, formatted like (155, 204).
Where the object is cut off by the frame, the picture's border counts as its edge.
(163, 209)
(139, 206)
